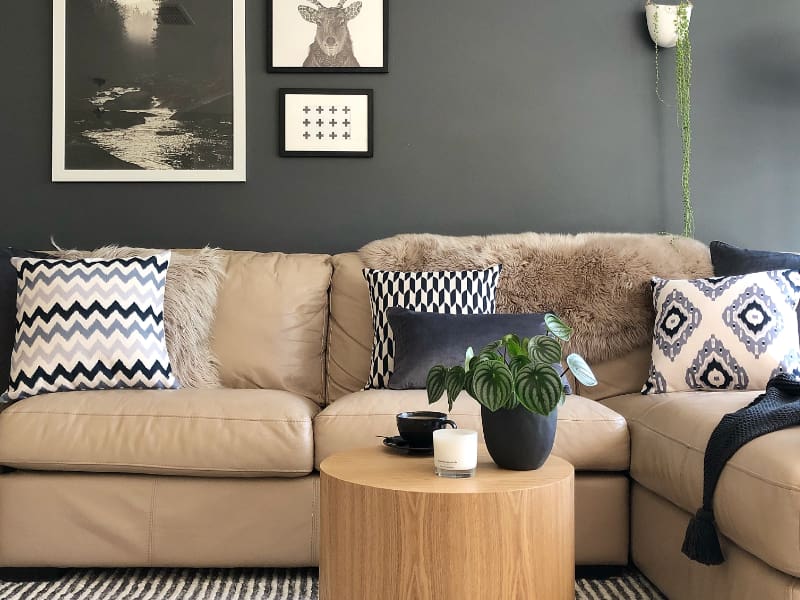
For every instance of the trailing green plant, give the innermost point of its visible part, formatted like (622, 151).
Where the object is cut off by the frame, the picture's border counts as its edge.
(513, 372)
(658, 69)
(683, 84)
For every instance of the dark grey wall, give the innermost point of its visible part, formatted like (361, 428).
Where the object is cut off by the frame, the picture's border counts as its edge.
(496, 116)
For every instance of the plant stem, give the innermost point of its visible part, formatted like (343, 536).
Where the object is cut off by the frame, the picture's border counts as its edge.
(683, 83)
(658, 71)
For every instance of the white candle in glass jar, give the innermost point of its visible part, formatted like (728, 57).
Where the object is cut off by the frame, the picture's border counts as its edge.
(455, 452)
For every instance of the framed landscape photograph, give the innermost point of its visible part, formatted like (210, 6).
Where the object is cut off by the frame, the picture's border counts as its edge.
(325, 122)
(342, 36)
(149, 90)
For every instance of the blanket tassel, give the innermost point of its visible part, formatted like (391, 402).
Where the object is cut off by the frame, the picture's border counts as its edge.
(702, 542)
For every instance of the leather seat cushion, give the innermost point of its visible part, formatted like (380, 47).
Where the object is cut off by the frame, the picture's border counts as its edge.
(209, 432)
(589, 435)
(757, 500)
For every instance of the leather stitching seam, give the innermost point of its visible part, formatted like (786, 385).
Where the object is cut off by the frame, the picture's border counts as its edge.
(150, 523)
(151, 416)
(254, 470)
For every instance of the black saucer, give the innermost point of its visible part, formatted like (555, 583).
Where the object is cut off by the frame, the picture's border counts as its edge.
(398, 444)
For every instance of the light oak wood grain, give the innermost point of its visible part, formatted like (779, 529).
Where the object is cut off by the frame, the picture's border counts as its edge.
(391, 529)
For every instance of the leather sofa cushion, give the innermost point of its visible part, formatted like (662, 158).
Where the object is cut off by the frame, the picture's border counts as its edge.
(271, 321)
(211, 433)
(350, 330)
(617, 376)
(589, 435)
(757, 500)
(350, 342)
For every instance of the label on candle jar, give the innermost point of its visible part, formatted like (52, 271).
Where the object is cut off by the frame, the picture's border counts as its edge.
(455, 449)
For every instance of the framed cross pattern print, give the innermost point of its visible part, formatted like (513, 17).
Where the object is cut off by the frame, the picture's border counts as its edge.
(325, 122)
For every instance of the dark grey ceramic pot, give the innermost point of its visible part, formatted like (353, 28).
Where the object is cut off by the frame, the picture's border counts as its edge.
(518, 439)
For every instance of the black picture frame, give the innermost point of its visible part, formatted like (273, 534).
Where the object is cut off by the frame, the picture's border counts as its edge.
(284, 92)
(384, 68)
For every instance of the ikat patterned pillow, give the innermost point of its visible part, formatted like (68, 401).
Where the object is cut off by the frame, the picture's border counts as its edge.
(724, 333)
(89, 324)
(449, 292)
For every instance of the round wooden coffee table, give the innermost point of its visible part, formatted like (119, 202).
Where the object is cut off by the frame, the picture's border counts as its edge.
(391, 529)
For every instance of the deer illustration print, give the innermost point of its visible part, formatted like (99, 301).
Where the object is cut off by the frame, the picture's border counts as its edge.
(332, 46)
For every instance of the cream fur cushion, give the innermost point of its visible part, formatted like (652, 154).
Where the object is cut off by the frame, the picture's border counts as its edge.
(724, 333)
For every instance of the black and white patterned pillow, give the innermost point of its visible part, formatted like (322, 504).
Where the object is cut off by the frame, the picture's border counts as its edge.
(724, 333)
(450, 292)
(89, 324)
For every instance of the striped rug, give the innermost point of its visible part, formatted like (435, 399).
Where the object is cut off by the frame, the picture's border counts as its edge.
(247, 584)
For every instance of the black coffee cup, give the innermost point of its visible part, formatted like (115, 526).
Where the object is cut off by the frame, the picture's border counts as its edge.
(417, 427)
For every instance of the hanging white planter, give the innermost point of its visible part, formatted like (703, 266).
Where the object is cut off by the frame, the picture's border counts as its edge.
(662, 22)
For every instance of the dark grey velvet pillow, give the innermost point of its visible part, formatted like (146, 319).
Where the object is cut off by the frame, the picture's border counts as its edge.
(8, 308)
(424, 339)
(730, 260)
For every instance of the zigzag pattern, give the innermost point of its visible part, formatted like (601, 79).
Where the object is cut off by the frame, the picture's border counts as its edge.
(27, 336)
(134, 291)
(136, 375)
(53, 275)
(70, 350)
(146, 261)
(90, 324)
(91, 312)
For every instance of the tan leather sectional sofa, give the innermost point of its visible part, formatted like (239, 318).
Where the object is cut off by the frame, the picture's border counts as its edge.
(226, 477)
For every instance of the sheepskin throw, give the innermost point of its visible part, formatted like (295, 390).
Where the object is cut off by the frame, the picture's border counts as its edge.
(599, 283)
(193, 281)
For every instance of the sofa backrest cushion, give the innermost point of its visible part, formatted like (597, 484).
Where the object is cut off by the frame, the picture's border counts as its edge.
(618, 376)
(271, 322)
(599, 282)
(350, 335)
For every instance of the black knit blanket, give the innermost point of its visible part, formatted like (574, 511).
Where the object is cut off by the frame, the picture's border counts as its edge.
(777, 408)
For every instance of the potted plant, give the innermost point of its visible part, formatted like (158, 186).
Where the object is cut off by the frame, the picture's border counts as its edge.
(517, 382)
(668, 25)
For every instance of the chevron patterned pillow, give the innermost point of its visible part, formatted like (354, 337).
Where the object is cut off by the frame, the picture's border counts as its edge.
(451, 292)
(89, 324)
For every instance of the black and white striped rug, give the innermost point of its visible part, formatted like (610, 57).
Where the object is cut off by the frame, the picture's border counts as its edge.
(247, 584)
